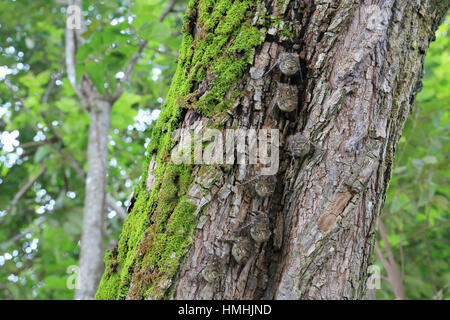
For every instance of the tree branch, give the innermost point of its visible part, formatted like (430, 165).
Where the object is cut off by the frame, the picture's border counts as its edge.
(19, 236)
(130, 69)
(27, 186)
(134, 60)
(35, 144)
(386, 242)
(48, 90)
(167, 10)
(112, 203)
(170, 53)
(394, 278)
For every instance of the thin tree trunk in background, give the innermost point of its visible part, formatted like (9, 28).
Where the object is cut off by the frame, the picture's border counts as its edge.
(96, 199)
(361, 64)
(92, 248)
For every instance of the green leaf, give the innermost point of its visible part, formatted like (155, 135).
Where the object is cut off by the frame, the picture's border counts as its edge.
(41, 153)
(67, 104)
(123, 113)
(95, 73)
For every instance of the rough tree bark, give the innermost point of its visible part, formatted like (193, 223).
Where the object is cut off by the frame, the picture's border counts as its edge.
(361, 64)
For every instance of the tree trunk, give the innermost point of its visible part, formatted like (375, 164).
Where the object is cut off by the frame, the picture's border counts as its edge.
(92, 247)
(351, 69)
(99, 108)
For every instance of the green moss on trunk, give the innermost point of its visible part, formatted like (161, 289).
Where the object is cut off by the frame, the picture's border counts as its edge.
(218, 45)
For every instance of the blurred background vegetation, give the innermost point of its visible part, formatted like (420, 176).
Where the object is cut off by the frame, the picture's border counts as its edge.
(43, 132)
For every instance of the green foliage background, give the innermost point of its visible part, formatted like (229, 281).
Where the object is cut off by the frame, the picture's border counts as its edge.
(39, 235)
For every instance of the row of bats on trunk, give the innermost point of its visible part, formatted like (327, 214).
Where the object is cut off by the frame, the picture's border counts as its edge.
(286, 99)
